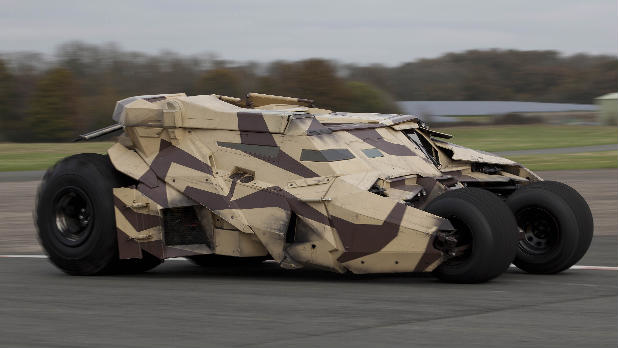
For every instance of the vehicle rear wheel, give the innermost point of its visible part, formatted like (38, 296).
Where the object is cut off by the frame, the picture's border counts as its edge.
(557, 226)
(74, 215)
(486, 234)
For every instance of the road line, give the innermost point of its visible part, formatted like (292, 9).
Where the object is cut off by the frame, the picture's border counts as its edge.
(588, 268)
(40, 256)
(595, 268)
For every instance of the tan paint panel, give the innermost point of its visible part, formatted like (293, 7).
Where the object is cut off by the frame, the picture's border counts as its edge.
(243, 165)
(461, 153)
(127, 161)
(236, 243)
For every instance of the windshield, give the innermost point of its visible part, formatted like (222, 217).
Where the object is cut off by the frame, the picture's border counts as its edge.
(424, 145)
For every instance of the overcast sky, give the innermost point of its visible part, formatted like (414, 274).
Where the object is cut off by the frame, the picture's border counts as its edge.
(388, 32)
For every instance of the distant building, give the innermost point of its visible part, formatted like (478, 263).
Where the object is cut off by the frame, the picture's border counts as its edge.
(608, 108)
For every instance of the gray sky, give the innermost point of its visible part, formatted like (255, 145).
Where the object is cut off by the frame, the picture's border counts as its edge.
(384, 31)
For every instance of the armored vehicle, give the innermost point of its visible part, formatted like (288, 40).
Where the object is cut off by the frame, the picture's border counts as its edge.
(223, 180)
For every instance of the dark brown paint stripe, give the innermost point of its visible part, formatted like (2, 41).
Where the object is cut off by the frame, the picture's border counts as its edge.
(127, 247)
(254, 131)
(364, 239)
(265, 198)
(169, 154)
(252, 122)
(155, 248)
(157, 193)
(430, 256)
(373, 138)
(257, 150)
(139, 221)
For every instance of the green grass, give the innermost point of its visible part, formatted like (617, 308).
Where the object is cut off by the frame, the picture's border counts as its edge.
(582, 160)
(527, 137)
(39, 156)
(18, 157)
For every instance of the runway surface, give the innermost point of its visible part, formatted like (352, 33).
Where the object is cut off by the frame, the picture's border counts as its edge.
(182, 305)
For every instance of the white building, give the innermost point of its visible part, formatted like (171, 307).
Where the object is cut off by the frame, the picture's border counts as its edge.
(608, 108)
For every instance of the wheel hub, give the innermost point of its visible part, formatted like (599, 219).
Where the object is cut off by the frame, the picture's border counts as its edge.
(541, 230)
(73, 216)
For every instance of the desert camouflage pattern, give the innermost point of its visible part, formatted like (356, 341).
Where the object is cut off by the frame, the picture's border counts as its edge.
(280, 177)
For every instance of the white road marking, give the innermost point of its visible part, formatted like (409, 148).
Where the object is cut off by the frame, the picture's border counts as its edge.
(588, 268)
(595, 268)
(575, 267)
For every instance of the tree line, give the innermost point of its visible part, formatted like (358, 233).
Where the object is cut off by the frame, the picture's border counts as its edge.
(540, 76)
(55, 98)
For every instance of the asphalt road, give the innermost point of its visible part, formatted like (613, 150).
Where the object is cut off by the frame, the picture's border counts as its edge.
(182, 305)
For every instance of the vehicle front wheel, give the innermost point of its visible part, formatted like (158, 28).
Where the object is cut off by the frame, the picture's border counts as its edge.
(557, 226)
(485, 231)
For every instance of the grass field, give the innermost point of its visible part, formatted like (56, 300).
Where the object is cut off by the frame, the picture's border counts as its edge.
(527, 137)
(583, 160)
(17, 157)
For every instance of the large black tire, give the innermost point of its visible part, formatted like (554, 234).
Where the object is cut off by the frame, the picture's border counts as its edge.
(213, 260)
(482, 221)
(557, 225)
(580, 208)
(74, 215)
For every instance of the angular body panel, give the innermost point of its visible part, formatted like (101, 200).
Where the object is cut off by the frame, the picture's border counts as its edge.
(309, 187)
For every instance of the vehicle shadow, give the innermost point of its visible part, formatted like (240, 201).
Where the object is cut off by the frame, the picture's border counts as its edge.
(273, 272)
(270, 271)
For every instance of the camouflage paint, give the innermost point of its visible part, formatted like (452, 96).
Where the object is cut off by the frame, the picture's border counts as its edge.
(249, 170)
